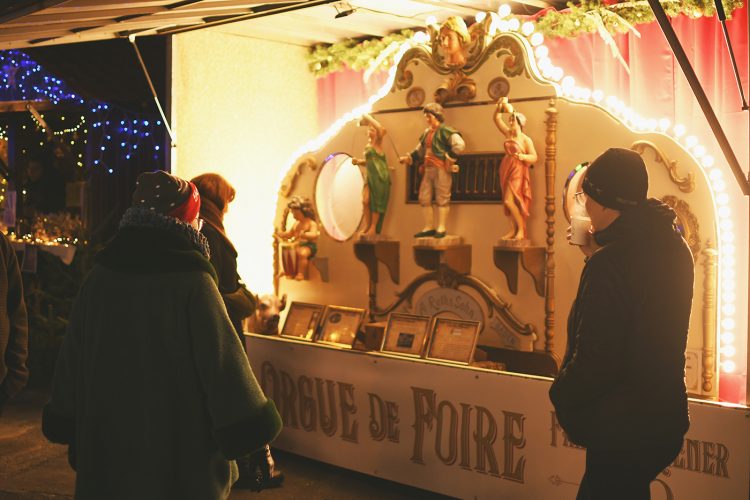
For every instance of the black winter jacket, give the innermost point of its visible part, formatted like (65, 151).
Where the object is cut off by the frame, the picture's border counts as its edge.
(622, 381)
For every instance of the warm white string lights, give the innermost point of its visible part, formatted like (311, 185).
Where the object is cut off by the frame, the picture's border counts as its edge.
(565, 85)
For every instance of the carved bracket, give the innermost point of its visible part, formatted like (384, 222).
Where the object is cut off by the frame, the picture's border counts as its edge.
(372, 252)
(532, 259)
(685, 184)
(455, 257)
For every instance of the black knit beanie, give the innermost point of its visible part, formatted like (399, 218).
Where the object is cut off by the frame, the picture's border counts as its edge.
(617, 179)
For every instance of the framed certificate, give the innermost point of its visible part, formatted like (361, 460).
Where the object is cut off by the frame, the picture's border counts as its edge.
(302, 320)
(406, 334)
(340, 325)
(453, 340)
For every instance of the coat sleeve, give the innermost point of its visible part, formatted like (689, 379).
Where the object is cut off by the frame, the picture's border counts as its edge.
(243, 419)
(58, 416)
(595, 361)
(17, 350)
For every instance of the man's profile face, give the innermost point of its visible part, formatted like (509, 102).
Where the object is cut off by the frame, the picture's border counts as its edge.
(431, 120)
(34, 170)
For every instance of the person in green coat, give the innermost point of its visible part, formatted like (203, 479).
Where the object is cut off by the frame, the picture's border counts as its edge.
(152, 391)
(378, 175)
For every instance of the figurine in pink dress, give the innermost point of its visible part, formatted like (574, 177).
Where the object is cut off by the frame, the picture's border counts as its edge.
(514, 169)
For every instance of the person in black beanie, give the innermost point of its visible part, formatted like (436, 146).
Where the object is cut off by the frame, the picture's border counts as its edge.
(620, 392)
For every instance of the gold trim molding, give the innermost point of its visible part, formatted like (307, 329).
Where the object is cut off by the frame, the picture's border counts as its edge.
(688, 221)
(685, 184)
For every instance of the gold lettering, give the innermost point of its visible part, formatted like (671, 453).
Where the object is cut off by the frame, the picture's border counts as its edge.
(377, 425)
(268, 376)
(708, 455)
(465, 433)
(485, 440)
(306, 403)
(392, 412)
(424, 413)
(452, 433)
(348, 407)
(693, 455)
(288, 400)
(512, 470)
(722, 457)
(327, 421)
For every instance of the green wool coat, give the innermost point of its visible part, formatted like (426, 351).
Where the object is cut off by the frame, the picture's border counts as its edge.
(152, 389)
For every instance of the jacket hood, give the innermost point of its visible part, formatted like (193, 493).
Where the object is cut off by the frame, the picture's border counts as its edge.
(652, 220)
(151, 243)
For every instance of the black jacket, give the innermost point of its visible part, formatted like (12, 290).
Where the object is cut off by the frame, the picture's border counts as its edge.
(621, 385)
(240, 303)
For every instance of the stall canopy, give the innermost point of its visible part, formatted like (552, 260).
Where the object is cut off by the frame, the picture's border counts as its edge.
(33, 23)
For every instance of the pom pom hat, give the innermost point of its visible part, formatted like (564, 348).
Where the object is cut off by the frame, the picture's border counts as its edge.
(168, 195)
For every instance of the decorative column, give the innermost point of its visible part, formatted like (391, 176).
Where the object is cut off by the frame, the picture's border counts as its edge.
(709, 317)
(550, 166)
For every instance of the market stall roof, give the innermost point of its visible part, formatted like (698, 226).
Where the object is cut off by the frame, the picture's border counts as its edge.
(33, 23)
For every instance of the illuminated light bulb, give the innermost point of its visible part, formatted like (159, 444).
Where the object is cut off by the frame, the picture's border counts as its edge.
(699, 151)
(679, 130)
(597, 95)
(664, 124)
(715, 174)
(586, 94)
(421, 37)
(557, 73)
(727, 237)
(568, 82)
(719, 185)
(691, 141)
(503, 26)
(537, 39)
(728, 366)
(728, 297)
(514, 24)
(727, 338)
(430, 20)
(527, 28)
(707, 161)
(480, 16)
(544, 63)
(504, 10)
(541, 51)
(728, 351)
(728, 260)
(651, 124)
(729, 310)
(726, 224)
(722, 199)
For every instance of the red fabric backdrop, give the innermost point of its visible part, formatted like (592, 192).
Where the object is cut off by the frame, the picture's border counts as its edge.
(655, 87)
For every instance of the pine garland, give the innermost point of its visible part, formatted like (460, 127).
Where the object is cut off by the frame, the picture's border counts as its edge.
(588, 16)
(351, 53)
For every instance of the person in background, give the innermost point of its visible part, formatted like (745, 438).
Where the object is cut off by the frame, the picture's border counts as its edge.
(216, 195)
(152, 391)
(14, 327)
(44, 189)
(621, 391)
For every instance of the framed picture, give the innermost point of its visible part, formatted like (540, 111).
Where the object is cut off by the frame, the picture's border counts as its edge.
(406, 334)
(302, 320)
(340, 325)
(453, 340)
